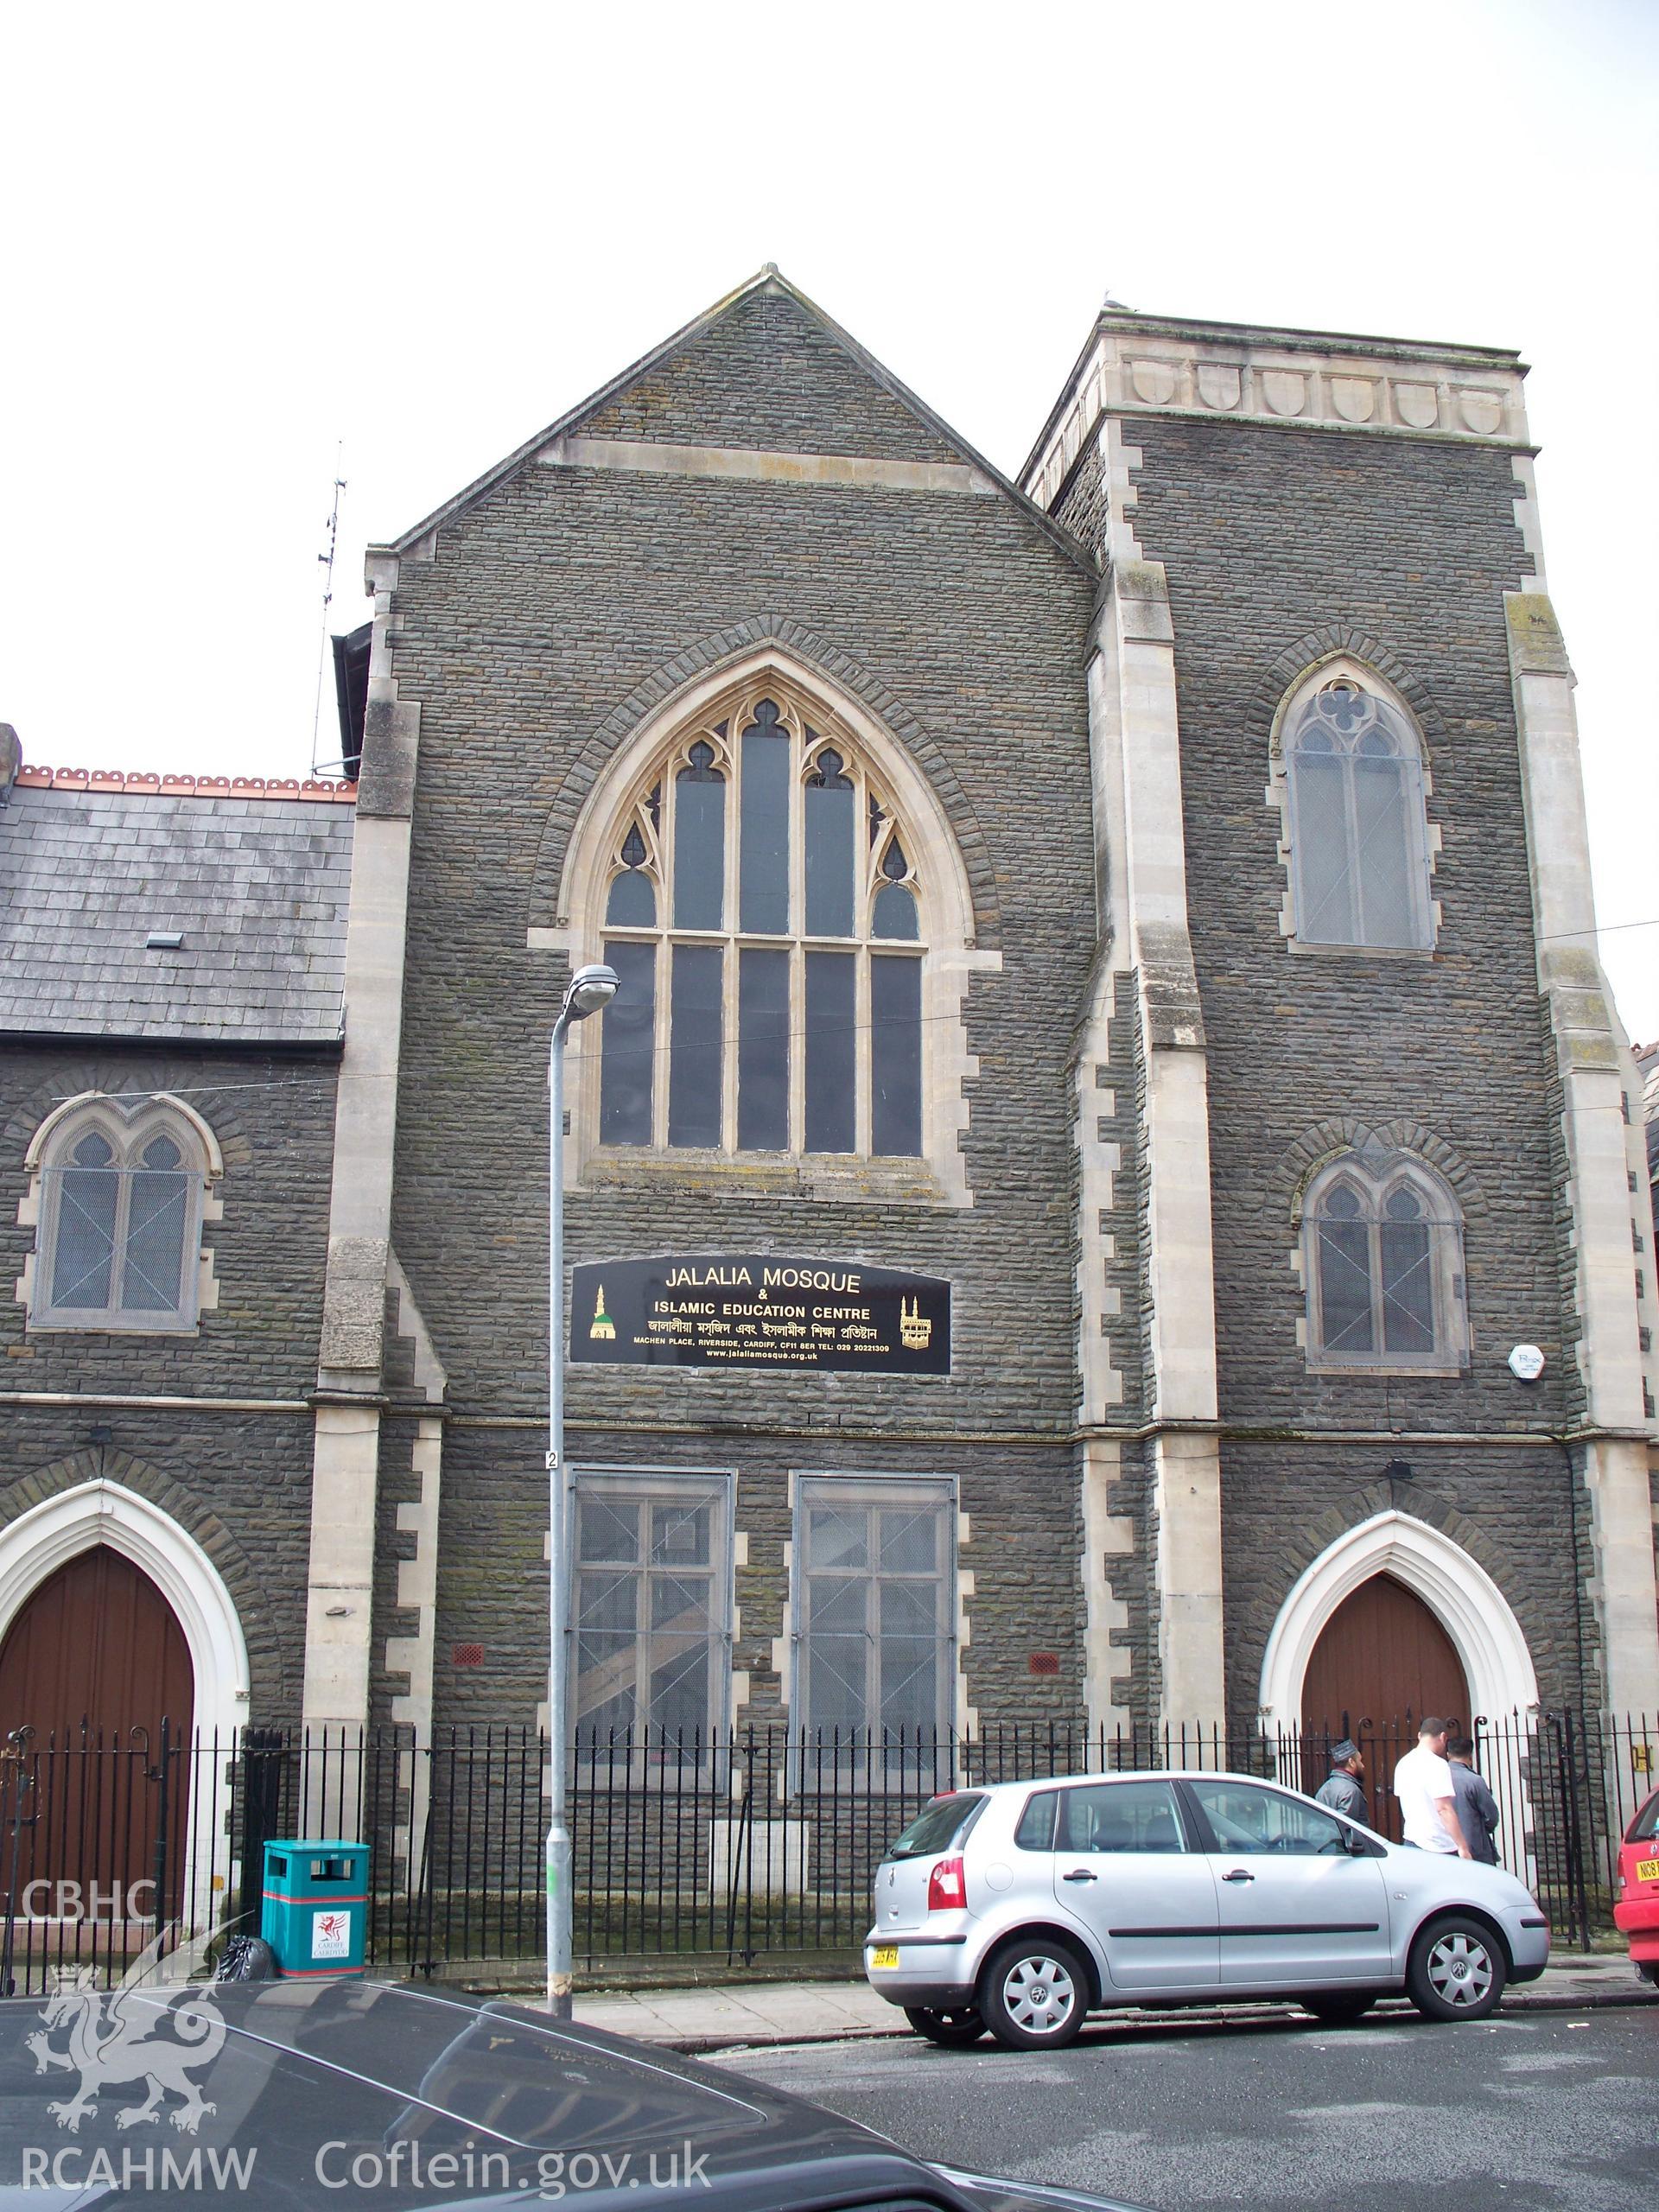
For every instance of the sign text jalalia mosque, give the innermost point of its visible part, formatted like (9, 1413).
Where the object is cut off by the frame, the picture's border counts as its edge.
(760, 1310)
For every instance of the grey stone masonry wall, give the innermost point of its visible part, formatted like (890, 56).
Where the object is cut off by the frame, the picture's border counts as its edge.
(238, 1482)
(1510, 1507)
(769, 379)
(238, 1479)
(563, 594)
(1281, 545)
(1021, 1508)
(561, 597)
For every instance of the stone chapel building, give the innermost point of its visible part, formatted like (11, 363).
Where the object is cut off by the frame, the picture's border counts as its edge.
(1145, 907)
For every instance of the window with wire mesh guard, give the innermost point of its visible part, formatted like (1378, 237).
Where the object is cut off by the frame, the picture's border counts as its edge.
(1382, 1253)
(120, 1212)
(1359, 829)
(874, 1607)
(765, 917)
(652, 1611)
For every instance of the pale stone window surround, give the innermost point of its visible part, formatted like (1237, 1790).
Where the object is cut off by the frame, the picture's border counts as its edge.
(786, 1647)
(127, 1121)
(1335, 668)
(49, 1535)
(1459, 1592)
(1375, 1173)
(938, 877)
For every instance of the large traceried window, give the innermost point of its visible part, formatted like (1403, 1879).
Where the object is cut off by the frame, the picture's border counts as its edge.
(1358, 830)
(874, 1607)
(1382, 1253)
(120, 1204)
(762, 910)
(653, 1612)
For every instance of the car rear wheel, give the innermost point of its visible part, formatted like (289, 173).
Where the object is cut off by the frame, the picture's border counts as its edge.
(1034, 1994)
(1457, 1970)
(953, 2031)
(1336, 2007)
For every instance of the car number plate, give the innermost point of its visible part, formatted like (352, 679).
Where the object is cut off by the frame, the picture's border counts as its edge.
(1647, 1870)
(884, 1954)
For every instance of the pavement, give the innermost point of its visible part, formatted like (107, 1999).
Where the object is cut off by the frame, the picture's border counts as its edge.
(736, 2016)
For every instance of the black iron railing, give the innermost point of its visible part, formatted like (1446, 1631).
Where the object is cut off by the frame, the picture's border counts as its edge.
(720, 1847)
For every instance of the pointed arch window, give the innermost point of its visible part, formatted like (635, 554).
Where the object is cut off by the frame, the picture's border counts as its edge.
(763, 913)
(1358, 827)
(120, 1205)
(1382, 1256)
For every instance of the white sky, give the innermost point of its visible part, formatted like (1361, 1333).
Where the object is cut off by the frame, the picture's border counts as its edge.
(234, 237)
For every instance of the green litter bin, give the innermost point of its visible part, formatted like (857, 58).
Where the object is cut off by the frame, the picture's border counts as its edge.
(316, 1907)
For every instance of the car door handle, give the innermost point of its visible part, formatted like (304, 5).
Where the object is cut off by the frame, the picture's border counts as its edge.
(1080, 1874)
(1239, 1875)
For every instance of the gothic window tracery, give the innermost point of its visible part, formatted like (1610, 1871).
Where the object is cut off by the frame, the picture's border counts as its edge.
(1383, 1258)
(769, 956)
(1353, 764)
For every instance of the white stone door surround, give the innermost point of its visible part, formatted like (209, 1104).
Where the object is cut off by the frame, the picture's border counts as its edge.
(49, 1535)
(1457, 1589)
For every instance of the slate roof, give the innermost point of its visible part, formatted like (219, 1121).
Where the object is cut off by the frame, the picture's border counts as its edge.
(258, 887)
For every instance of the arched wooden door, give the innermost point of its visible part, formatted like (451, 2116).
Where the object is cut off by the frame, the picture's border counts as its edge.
(1382, 1660)
(92, 1665)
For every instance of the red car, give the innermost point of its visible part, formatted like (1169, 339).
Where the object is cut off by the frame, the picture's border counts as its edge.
(1637, 1909)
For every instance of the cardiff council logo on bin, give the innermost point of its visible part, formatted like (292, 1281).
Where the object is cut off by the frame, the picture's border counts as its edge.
(331, 1935)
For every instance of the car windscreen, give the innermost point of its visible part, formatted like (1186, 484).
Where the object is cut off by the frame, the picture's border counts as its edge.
(1646, 1822)
(938, 1825)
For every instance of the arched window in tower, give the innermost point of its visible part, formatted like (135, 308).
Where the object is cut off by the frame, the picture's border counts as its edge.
(1382, 1254)
(764, 916)
(120, 1206)
(1358, 830)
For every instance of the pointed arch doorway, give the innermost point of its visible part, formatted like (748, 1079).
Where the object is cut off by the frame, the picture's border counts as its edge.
(1387, 1656)
(96, 1667)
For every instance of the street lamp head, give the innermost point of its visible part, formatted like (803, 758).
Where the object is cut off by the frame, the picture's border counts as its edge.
(591, 988)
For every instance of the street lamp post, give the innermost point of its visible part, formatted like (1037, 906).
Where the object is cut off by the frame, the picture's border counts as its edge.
(589, 989)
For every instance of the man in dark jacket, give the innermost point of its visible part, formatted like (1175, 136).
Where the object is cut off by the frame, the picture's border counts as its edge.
(1341, 1788)
(1477, 1813)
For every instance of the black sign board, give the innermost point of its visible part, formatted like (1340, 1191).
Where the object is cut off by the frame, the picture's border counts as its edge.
(757, 1309)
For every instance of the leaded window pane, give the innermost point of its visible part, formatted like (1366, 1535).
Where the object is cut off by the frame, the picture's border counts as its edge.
(876, 1606)
(1408, 1286)
(650, 1594)
(763, 896)
(894, 914)
(633, 902)
(1325, 905)
(1384, 858)
(828, 804)
(699, 841)
(831, 1052)
(895, 1056)
(627, 1045)
(762, 1051)
(1344, 1286)
(84, 1257)
(157, 1216)
(694, 1058)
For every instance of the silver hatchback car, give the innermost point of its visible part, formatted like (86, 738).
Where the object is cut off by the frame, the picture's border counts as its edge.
(1023, 1906)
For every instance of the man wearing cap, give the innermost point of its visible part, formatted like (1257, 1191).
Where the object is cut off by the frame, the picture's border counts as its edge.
(1341, 1788)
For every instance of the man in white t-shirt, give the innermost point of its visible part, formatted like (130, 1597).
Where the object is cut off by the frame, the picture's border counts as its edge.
(1429, 1804)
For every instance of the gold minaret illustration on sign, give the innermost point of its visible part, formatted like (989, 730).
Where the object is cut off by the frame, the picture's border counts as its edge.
(603, 1330)
(915, 1329)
